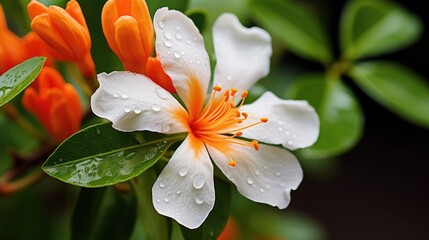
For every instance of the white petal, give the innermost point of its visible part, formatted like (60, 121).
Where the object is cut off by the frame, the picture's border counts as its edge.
(184, 190)
(294, 124)
(133, 102)
(267, 175)
(242, 54)
(180, 48)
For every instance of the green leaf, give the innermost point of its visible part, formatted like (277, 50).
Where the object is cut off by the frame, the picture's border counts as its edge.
(395, 87)
(154, 5)
(370, 28)
(295, 26)
(18, 78)
(340, 115)
(103, 213)
(100, 155)
(216, 221)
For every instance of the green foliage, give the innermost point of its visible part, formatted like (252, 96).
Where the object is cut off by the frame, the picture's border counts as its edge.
(340, 115)
(16, 79)
(370, 28)
(179, 5)
(395, 87)
(216, 221)
(99, 156)
(103, 213)
(295, 26)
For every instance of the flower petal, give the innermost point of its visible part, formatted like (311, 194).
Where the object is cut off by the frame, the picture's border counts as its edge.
(185, 189)
(267, 175)
(294, 124)
(133, 102)
(242, 54)
(180, 48)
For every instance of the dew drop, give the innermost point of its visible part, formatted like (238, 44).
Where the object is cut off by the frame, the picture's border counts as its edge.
(289, 142)
(199, 200)
(124, 96)
(161, 24)
(261, 190)
(158, 201)
(115, 95)
(267, 186)
(166, 200)
(257, 173)
(182, 53)
(198, 62)
(161, 93)
(188, 42)
(127, 109)
(161, 185)
(156, 108)
(250, 180)
(177, 55)
(183, 171)
(190, 61)
(278, 174)
(97, 131)
(178, 192)
(198, 181)
(137, 110)
(168, 43)
(167, 36)
(178, 36)
(228, 78)
(129, 156)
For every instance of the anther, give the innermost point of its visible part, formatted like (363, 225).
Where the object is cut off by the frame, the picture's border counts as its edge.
(239, 133)
(244, 94)
(264, 119)
(232, 162)
(233, 91)
(255, 145)
(217, 88)
(244, 114)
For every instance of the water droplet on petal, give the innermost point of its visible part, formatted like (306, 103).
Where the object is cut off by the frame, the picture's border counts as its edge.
(166, 200)
(261, 190)
(161, 185)
(183, 171)
(250, 180)
(177, 55)
(198, 62)
(161, 93)
(168, 43)
(178, 192)
(156, 108)
(115, 95)
(127, 109)
(199, 200)
(124, 96)
(257, 173)
(267, 186)
(158, 201)
(167, 36)
(190, 61)
(278, 174)
(228, 78)
(198, 181)
(137, 110)
(178, 36)
(289, 142)
(161, 24)
(188, 42)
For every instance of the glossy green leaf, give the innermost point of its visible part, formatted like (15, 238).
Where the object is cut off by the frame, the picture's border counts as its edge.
(395, 87)
(340, 115)
(370, 28)
(103, 213)
(298, 28)
(216, 221)
(100, 155)
(18, 78)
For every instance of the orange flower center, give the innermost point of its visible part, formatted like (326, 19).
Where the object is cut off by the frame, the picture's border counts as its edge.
(221, 122)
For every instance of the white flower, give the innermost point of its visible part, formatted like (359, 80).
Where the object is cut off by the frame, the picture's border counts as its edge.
(218, 125)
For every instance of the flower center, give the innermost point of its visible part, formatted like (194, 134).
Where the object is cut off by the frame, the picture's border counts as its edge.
(221, 122)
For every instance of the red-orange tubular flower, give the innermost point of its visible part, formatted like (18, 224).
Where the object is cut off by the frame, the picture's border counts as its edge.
(12, 50)
(65, 32)
(55, 103)
(129, 32)
(35, 46)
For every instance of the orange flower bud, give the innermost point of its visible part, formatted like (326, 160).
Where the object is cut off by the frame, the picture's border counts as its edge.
(12, 49)
(231, 230)
(128, 29)
(35, 46)
(55, 103)
(65, 32)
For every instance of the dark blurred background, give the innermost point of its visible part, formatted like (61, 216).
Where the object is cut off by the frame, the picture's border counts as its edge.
(379, 189)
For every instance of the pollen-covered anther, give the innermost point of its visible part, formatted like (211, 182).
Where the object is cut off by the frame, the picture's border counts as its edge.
(244, 114)
(264, 119)
(255, 144)
(239, 133)
(232, 162)
(217, 88)
(233, 91)
(244, 94)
